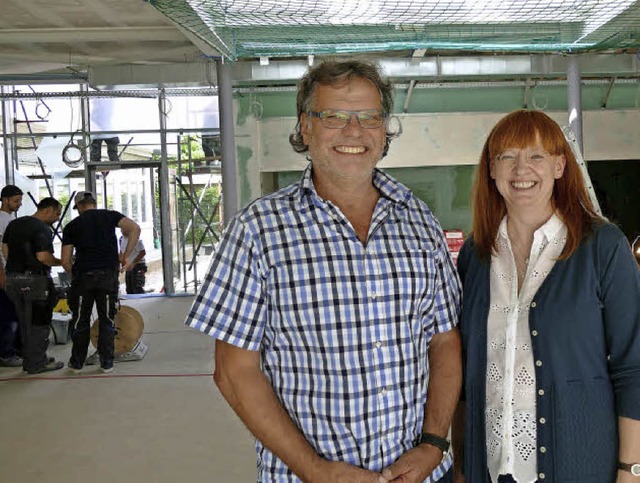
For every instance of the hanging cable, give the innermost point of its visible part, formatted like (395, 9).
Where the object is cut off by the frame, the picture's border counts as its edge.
(73, 154)
(42, 110)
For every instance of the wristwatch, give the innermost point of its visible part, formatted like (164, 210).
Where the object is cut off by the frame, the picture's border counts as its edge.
(633, 468)
(434, 440)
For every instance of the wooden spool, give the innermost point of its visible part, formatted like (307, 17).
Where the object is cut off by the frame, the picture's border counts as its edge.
(129, 325)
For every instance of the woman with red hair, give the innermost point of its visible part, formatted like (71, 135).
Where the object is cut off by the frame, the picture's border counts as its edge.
(550, 321)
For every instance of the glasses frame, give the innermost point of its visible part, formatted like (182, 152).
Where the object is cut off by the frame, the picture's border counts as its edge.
(530, 160)
(322, 115)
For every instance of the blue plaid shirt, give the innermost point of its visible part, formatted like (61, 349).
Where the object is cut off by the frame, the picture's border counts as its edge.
(343, 329)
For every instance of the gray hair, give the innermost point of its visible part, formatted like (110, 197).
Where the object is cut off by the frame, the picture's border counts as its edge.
(334, 73)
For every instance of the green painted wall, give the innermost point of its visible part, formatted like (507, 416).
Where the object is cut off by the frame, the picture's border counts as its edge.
(504, 99)
(445, 189)
(245, 194)
(475, 99)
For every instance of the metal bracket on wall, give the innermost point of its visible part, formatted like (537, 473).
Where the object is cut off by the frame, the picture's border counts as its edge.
(609, 89)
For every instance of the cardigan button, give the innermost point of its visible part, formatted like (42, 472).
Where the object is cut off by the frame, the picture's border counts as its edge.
(533, 305)
(541, 476)
(543, 420)
(541, 392)
(538, 363)
(534, 333)
(543, 449)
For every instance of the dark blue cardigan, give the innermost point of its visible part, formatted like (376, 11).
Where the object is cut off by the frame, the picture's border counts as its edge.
(585, 329)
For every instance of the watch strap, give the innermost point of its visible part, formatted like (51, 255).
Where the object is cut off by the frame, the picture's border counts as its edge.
(434, 440)
(633, 468)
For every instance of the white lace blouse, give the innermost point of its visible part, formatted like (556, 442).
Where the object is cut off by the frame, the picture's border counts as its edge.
(511, 402)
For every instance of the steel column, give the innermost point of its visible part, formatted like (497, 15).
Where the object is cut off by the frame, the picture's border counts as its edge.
(8, 162)
(574, 98)
(85, 116)
(165, 209)
(227, 141)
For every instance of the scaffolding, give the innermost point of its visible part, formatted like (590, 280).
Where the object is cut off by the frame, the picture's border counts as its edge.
(23, 135)
(201, 193)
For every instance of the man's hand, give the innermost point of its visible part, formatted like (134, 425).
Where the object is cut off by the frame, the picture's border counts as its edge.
(344, 473)
(126, 267)
(414, 466)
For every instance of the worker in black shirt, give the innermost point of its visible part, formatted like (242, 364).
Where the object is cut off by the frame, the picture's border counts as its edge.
(28, 249)
(10, 343)
(95, 275)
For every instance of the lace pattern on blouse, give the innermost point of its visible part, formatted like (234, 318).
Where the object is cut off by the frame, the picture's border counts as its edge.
(511, 379)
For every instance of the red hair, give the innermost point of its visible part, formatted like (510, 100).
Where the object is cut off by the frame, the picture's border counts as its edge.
(521, 129)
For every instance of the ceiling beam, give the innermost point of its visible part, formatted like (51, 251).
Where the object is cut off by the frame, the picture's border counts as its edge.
(426, 69)
(74, 35)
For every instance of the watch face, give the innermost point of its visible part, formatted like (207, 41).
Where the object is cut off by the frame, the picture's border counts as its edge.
(635, 469)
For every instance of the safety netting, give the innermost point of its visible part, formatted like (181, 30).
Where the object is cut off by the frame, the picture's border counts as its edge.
(239, 29)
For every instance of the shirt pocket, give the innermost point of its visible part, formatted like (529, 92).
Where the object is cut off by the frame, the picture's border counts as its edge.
(411, 280)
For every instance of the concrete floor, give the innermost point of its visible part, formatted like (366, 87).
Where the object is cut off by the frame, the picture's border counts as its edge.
(157, 420)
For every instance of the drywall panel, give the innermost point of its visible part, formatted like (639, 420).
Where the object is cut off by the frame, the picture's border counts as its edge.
(611, 135)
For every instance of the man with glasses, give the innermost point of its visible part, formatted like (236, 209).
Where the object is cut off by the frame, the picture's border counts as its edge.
(334, 304)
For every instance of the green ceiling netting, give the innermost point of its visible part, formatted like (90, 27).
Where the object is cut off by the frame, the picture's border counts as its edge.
(287, 28)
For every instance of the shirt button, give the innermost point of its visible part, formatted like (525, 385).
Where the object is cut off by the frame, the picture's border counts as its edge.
(543, 449)
(383, 391)
(543, 420)
(533, 305)
(534, 333)
(541, 476)
(374, 295)
(378, 344)
(541, 392)
(538, 363)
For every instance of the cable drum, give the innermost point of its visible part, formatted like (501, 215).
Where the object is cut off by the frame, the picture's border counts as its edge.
(129, 327)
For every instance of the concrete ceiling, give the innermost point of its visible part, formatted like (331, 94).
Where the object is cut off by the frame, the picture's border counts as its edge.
(121, 42)
(39, 37)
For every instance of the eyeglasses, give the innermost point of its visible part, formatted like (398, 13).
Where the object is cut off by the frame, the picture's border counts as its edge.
(531, 158)
(332, 119)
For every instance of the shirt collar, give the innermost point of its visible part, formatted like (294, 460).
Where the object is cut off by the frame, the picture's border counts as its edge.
(550, 229)
(388, 187)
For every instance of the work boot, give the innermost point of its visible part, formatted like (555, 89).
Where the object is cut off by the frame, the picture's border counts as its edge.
(74, 368)
(51, 365)
(92, 360)
(11, 361)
